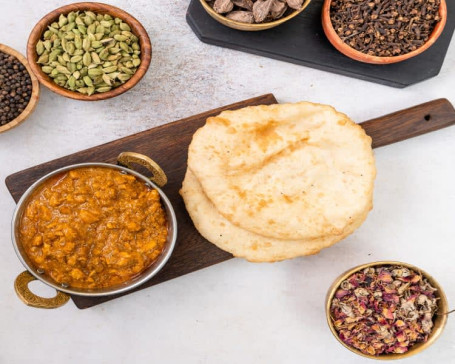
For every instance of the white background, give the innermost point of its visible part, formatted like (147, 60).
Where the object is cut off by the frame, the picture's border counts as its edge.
(235, 312)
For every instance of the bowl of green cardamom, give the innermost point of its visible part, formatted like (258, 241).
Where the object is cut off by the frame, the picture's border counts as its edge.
(89, 51)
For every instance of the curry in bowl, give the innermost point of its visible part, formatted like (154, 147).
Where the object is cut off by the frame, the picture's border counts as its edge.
(93, 227)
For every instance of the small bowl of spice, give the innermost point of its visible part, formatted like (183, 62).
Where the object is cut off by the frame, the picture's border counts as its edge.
(383, 32)
(253, 15)
(386, 310)
(89, 51)
(19, 89)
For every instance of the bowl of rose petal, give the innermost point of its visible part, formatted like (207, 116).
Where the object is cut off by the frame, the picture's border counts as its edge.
(253, 15)
(386, 310)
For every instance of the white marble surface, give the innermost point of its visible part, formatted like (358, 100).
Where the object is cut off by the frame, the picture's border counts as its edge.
(234, 312)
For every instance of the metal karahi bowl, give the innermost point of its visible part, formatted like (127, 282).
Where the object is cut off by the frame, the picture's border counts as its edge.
(439, 320)
(32, 273)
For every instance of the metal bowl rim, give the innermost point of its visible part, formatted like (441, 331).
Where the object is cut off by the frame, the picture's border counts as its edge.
(125, 287)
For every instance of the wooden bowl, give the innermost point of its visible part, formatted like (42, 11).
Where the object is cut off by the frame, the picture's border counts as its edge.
(439, 321)
(34, 97)
(136, 27)
(250, 27)
(362, 57)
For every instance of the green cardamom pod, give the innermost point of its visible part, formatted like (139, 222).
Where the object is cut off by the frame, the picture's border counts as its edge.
(124, 46)
(88, 21)
(47, 44)
(95, 72)
(87, 59)
(123, 77)
(103, 89)
(104, 54)
(76, 59)
(125, 27)
(91, 15)
(69, 36)
(107, 17)
(82, 29)
(77, 75)
(136, 62)
(72, 82)
(135, 46)
(78, 42)
(107, 80)
(71, 67)
(100, 29)
(82, 90)
(88, 81)
(105, 23)
(39, 48)
(54, 73)
(63, 70)
(120, 38)
(43, 59)
(99, 36)
(96, 58)
(70, 27)
(96, 44)
(79, 21)
(70, 48)
(47, 69)
(91, 29)
(90, 90)
(72, 16)
(65, 57)
(86, 44)
(110, 69)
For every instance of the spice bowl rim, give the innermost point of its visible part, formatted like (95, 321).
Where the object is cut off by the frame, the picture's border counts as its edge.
(144, 276)
(250, 27)
(352, 53)
(438, 327)
(137, 28)
(34, 97)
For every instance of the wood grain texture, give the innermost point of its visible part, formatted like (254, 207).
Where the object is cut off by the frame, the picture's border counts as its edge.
(411, 122)
(302, 41)
(168, 146)
(34, 97)
(136, 27)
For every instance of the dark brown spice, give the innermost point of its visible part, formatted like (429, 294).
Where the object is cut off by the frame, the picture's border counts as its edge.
(384, 310)
(384, 28)
(255, 11)
(15, 88)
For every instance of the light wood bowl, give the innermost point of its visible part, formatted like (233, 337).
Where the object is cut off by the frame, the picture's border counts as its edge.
(34, 97)
(137, 29)
(250, 27)
(350, 52)
(439, 321)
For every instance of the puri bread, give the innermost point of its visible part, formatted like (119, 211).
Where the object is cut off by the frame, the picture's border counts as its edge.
(290, 171)
(241, 243)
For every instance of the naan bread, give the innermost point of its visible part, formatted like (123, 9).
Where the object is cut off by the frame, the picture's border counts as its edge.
(289, 171)
(241, 243)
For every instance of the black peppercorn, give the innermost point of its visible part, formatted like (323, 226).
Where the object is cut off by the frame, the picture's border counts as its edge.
(15, 88)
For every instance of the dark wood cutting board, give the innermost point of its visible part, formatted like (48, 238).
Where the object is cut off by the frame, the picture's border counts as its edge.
(302, 41)
(168, 145)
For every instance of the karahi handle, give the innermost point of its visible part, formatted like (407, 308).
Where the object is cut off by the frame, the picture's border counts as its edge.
(128, 158)
(31, 299)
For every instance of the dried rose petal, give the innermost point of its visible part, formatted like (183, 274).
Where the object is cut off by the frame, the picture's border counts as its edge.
(384, 310)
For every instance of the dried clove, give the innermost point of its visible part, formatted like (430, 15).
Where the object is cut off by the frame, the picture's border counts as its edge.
(384, 28)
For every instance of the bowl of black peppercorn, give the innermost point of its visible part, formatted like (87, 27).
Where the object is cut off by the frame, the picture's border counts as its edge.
(19, 88)
(383, 32)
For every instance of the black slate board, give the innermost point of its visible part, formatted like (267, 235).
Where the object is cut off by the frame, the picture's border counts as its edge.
(302, 41)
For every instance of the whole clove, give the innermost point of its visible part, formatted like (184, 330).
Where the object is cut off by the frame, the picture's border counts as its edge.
(255, 11)
(384, 28)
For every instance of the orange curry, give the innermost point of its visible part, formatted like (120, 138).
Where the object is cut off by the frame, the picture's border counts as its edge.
(93, 227)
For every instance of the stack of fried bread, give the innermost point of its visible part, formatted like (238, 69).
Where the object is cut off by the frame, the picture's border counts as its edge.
(268, 183)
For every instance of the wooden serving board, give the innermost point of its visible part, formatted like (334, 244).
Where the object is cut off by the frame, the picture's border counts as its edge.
(168, 146)
(302, 41)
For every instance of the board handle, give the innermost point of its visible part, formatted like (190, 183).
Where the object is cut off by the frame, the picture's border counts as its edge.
(409, 123)
(126, 159)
